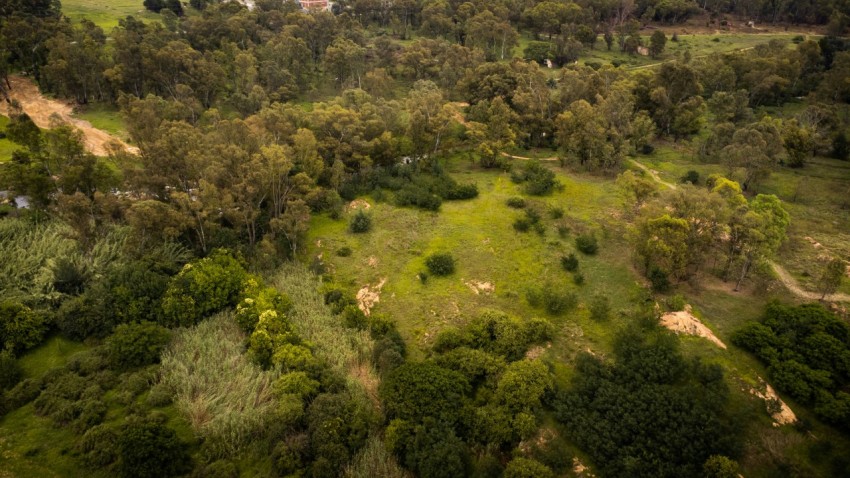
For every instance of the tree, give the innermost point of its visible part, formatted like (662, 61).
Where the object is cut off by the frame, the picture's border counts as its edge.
(527, 468)
(417, 390)
(293, 224)
(522, 386)
(831, 276)
(799, 142)
(656, 43)
(582, 134)
(21, 328)
(661, 244)
(137, 345)
(345, 61)
(148, 449)
(496, 37)
(635, 189)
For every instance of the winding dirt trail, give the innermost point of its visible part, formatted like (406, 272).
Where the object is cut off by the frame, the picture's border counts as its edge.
(784, 277)
(45, 111)
(791, 284)
(653, 173)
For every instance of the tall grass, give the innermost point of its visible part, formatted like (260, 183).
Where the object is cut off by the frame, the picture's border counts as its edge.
(345, 350)
(374, 461)
(28, 253)
(31, 252)
(225, 397)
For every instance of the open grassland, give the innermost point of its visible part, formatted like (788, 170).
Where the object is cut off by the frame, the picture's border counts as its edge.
(6, 146)
(105, 13)
(105, 117)
(480, 235)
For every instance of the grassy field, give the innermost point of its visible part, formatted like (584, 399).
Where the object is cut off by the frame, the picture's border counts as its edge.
(6, 146)
(105, 13)
(103, 116)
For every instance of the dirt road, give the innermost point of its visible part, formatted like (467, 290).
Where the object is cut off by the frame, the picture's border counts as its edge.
(791, 284)
(44, 111)
(654, 174)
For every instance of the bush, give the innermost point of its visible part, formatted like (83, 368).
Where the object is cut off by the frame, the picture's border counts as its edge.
(676, 303)
(522, 224)
(556, 212)
(21, 328)
(23, 393)
(202, 288)
(527, 468)
(98, 446)
(10, 371)
(160, 395)
(441, 264)
(691, 177)
(360, 222)
(354, 318)
(418, 197)
(461, 191)
(515, 202)
(344, 251)
(578, 278)
(600, 308)
(136, 345)
(537, 179)
(151, 450)
(658, 280)
(587, 244)
(417, 390)
(557, 302)
(569, 263)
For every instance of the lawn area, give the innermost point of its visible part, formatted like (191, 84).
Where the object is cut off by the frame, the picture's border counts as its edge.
(106, 13)
(480, 235)
(103, 116)
(6, 146)
(697, 44)
(54, 352)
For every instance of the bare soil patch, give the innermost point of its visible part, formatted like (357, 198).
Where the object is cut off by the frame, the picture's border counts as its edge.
(46, 112)
(368, 296)
(684, 322)
(779, 410)
(479, 287)
(359, 204)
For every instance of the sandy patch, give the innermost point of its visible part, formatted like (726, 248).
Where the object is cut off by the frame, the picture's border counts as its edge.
(479, 287)
(579, 469)
(684, 322)
(372, 261)
(535, 352)
(44, 112)
(359, 204)
(781, 413)
(368, 296)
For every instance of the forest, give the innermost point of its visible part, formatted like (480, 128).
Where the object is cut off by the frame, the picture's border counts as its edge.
(424, 238)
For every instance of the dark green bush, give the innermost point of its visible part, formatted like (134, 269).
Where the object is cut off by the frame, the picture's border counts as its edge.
(569, 263)
(515, 202)
(98, 446)
(344, 251)
(148, 449)
(600, 308)
(691, 177)
(587, 244)
(136, 345)
(522, 224)
(21, 328)
(537, 180)
(23, 393)
(659, 280)
(578, 278)
(461, 191)
(360, 222)
(556, 212)
(202, 288)
(418, 197)
(10, 371)
(417, 390)
(556, 302)
(354, 318)
(440, 264)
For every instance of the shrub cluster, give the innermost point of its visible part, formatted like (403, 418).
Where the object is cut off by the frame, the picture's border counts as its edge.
(587, 244)
(440, 264)
(360, 222)
(536, 179)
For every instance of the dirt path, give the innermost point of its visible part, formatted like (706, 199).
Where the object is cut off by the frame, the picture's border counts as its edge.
(44, 110)
(525, 158)
(652, 65)
(654, 174)
(791, 284)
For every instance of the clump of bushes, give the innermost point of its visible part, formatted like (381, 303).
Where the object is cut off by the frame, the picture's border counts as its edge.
(344, 251)
(569, 263)
(691, 177)
(536, 179)
(587, 244)
(531, 220)
(360, 222)
(600, 308)
(551, 299)
(21, 328)
(515, 202)
(440, 264)
(202, 288)
(136, 345)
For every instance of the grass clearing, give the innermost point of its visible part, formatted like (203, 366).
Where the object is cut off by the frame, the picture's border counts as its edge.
(54, 352)
(106, 14)
(104, 116)
(479, 234)
(6, 146)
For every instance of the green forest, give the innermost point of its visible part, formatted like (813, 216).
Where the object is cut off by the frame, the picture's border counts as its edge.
(424, 238)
